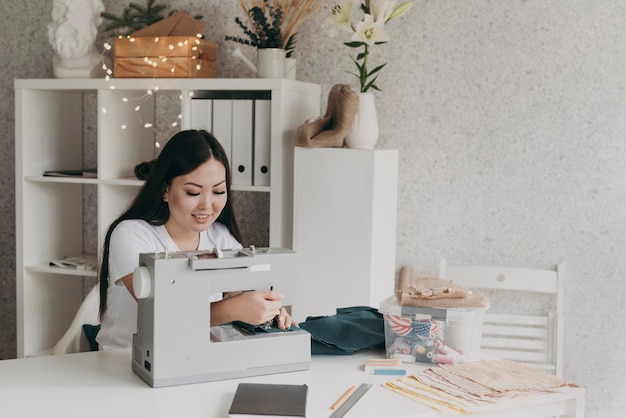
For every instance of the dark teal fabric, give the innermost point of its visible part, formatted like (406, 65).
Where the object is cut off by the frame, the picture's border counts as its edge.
(350, 330)
(91, 331)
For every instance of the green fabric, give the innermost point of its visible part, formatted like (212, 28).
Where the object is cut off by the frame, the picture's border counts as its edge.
(91, 331)
(350, 330)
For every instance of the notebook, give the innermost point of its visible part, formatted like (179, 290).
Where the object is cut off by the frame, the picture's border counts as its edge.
(264, 400)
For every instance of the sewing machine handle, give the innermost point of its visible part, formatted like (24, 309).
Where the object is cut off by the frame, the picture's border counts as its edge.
(219, 259)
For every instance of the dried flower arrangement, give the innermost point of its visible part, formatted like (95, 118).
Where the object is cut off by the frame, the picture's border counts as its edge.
(273, 23)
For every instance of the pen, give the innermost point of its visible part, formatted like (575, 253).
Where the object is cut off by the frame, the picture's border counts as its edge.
(343, 397)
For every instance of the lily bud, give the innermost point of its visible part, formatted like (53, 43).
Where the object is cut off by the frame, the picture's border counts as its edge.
(400, 10)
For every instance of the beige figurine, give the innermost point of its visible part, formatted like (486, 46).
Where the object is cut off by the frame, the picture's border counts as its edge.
(331, 129)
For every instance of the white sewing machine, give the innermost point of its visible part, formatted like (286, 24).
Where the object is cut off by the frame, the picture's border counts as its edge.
(174, 343)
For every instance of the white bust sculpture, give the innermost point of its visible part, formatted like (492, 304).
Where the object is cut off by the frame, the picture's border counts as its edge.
(72, 33)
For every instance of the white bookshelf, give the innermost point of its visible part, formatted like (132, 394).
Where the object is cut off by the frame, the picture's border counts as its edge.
(50, 125)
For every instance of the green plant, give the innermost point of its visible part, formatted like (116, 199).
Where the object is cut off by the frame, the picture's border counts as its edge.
(369, 31)
(135, 17)
(265, 31)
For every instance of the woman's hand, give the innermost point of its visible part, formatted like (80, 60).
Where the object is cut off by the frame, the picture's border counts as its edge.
(284, 320)
(253, 307)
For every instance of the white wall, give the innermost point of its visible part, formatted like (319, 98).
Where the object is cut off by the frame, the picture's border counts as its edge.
(509, 118)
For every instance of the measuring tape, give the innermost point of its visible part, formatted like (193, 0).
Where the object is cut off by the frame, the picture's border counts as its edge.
(352, 399)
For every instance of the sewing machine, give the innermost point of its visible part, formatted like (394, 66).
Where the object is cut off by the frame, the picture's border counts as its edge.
(174, 343)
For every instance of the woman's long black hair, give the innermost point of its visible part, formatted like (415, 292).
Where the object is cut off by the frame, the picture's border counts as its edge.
(182, 154)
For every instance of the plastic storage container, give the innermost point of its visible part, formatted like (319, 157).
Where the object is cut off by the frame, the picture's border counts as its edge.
(431, 335)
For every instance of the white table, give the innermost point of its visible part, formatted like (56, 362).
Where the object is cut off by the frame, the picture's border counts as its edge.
(102, 384)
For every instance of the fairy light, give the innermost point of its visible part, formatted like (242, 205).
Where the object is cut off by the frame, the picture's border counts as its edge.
(155, 63)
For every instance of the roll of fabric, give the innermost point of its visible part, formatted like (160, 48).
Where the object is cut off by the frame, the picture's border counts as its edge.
(143, 170)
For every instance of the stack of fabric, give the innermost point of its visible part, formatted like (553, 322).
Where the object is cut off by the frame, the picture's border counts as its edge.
(435, 292)
(475, 386)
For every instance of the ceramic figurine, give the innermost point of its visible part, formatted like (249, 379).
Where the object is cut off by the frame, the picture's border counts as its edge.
(72, 33)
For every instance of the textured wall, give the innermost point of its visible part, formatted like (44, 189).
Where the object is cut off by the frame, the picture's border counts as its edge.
(509, 117)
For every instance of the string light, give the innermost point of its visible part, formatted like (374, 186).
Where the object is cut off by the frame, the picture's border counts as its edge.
(154, 63)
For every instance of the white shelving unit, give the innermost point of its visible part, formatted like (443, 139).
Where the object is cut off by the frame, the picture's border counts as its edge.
(50, 135)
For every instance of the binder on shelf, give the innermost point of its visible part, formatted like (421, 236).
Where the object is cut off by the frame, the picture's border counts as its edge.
(223, 125)
(201, 114)
(242, 132)
(88, 173)
(262, 138)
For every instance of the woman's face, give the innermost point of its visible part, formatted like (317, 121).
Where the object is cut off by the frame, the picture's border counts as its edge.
(196, 199)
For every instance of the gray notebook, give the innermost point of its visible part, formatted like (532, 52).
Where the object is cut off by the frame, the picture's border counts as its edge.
(266, 400)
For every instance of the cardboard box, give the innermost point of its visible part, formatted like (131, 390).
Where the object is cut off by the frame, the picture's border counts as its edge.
(431, 335)
(165, 56)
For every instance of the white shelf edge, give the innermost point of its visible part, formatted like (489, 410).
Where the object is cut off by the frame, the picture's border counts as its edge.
(126, 182)
(52, 179)
(164, 84)
(129, 181)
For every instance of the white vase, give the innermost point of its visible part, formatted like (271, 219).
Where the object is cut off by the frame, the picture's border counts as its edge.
(364, 133)
(270, 63)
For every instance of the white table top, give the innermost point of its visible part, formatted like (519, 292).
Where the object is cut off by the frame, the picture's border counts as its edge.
(102, 384)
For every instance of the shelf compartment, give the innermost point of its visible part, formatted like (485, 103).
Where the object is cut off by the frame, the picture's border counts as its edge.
(52, 303)
(50, 127)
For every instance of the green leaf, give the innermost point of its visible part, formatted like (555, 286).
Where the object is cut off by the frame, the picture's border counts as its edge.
(375, 70)
(355, 44)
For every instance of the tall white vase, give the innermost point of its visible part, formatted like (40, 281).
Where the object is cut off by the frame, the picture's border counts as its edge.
(364, 133)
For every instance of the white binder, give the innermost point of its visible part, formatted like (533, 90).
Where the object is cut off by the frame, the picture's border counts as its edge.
(223, 125)
(201, 114)
(262, 138)
(242, 128)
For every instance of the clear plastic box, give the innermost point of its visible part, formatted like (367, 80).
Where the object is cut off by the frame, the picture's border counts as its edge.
(431, 335)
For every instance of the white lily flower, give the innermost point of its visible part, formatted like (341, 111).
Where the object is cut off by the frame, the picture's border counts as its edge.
(370, 31)
(340, 16)
(383, 10)
(367, 33)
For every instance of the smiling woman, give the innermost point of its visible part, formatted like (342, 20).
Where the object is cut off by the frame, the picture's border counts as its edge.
(185, 205)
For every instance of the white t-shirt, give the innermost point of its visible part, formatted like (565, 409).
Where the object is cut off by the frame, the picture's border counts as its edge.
(128, 240)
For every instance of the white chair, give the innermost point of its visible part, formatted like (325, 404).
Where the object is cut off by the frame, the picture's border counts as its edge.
(74, 340)
(531, 333)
